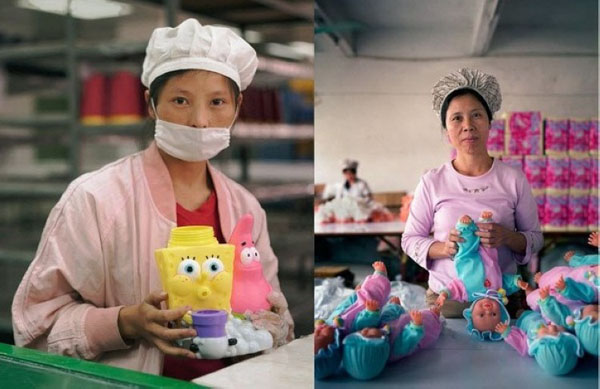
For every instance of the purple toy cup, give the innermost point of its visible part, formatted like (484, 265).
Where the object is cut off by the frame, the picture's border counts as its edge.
(209, 323)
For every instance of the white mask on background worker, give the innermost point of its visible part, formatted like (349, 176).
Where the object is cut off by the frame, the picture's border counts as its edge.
(192, 46)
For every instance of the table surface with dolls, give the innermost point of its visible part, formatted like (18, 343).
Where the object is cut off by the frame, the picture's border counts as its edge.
(488, 364)
(442, 363)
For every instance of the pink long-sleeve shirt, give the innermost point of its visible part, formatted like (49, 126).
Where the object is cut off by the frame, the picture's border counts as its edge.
(96, 255)
(443, 195)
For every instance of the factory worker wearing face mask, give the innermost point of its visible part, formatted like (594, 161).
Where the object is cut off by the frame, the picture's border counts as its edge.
(93, 289)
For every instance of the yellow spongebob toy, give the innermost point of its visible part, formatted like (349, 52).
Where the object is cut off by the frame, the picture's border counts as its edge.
(196, 270)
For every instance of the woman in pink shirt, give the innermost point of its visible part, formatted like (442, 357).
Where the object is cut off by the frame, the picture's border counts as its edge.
(469, 184)
(93, 290)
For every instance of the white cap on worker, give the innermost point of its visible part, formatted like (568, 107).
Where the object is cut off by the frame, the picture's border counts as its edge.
(193, 46)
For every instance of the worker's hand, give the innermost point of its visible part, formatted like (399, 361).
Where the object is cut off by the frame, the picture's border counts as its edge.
(450, 246)
(537, 276)
(561, 284)
(274, 321)
(501, 327)
(493, 235)
(148, 321)
(416, 317)
(395, 300)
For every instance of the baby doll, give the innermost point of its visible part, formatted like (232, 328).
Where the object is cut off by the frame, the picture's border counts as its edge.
(576, 260)
(367, 307)
(479, 273)
(579, 281)
(366, 353)
(328, 349)
(583, 320)
(554, 349)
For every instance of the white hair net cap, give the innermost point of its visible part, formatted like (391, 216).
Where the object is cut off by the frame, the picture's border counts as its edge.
(484, 84)
(193, 46)
(349, 164)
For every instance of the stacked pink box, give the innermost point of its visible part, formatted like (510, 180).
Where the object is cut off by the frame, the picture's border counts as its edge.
(577, 218)
(535, 171)
(556, 212)
(540, 200)
(593, 138)
(557, 174)
(513, 160)
(592, 212)
(579, 141)
(556, 136)
(580, 169)
(495, 142)
(524, 134)
(594, 173)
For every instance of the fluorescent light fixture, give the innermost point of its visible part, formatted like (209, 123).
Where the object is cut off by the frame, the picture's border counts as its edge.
(282, 51)
(80, 9)
(305, 48)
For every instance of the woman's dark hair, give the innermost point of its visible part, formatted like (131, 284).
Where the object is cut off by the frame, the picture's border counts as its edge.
(462, 92)
(159, 83)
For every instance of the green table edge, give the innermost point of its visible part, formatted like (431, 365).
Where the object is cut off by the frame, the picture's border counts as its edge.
(92, 369)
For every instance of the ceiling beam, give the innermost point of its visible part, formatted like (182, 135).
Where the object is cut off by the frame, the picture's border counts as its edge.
(343, 39)
(303, 10)
(485, 26)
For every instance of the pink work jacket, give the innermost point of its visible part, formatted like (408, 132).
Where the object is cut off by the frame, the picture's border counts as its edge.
(96, 255)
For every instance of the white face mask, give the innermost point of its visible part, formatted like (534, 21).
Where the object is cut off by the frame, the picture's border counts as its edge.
(190, 143)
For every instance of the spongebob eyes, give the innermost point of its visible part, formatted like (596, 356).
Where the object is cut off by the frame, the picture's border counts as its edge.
(248, 255)
(189, 267)
(212, 266)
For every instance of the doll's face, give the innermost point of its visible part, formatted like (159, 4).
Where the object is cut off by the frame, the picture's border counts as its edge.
(550, 329)
(591, 311)
(371, 333)
(486, 314)
(323, 337)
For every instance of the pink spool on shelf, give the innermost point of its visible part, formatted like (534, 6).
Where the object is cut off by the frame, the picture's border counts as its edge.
(556, 136)
(126, 96)
(93, 97)
(579, 137)
(557, 173)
